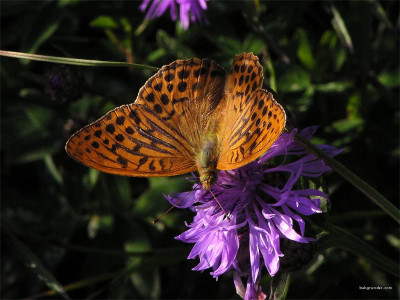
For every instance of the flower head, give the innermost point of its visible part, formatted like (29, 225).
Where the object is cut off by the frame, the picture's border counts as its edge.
(189, 10)
(241, 220)
(64, 84)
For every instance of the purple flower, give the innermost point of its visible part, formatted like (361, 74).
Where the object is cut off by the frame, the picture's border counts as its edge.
(189, 10)
(241, 220)
(64, 84)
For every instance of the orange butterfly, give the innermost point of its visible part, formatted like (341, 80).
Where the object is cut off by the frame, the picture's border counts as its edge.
(186, 117)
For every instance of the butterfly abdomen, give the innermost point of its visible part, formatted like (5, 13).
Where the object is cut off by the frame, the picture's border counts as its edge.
(207, 160)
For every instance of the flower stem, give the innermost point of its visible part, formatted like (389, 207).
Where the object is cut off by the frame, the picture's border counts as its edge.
(356, 181)
(74, 61)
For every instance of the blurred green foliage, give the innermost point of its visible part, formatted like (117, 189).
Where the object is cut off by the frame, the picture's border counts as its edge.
(333, 64)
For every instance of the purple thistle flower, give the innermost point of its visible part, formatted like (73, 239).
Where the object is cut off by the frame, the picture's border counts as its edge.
(189, 10)
(263, 204)
(64, 84)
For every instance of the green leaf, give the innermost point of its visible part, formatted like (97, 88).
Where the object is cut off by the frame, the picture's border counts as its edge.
(123, 188)
(333, 87)
(228, 45)
(330, 53)
(380, 12)
(52, 168)
(98, 222)
(304, 52)
(279, 286)
(152, 201)
(36, 152)
(41, 25)
(148, 284)
(353, 106)
(393, 240)
(253, 44)
(156, 54)
(296, 79)
(91, 178)
(126, 25)
(45, 34)
(105, 22)
(339, 56)
(341, 29)
(173, 45)
(346, 125)
(390, 79)
(272, 76)
(34, 263)
(39, 118)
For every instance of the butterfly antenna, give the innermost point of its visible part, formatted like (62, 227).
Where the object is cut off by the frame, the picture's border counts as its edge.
(169, 209)
(225, 214)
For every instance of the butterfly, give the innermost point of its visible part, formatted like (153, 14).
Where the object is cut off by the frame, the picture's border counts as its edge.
(187, 117)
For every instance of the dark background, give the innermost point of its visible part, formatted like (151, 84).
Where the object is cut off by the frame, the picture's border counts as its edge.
(334, 64)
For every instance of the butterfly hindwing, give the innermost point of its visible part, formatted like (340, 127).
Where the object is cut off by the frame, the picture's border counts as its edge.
(132, 140)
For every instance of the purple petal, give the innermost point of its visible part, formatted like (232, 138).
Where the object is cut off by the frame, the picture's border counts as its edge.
(253, 291)
(308, 132)
(279, 147)
(253, 249)
(158, 8)
(144, 5)
(295, 217)
(285, 225)
(300, 201)
(240, 289)
(269, 245)
(182, 200)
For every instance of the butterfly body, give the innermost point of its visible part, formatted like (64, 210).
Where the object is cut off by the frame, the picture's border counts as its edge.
(187, 117)
(207, 159)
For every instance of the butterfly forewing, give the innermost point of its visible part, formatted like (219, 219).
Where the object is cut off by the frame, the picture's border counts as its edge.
(184, 94)
(245, 78)
(253, 121)
(132, 140)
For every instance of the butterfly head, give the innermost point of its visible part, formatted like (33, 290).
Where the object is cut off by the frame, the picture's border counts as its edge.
(208, 179)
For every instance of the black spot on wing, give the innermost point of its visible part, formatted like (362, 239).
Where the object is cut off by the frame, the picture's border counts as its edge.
(120, 120)
(134, 116)
(122, 161)
(182, 86)
(98, 133)
(129, 130)
(164, 99)
(119, 137)
(150, 97)
(110, 128)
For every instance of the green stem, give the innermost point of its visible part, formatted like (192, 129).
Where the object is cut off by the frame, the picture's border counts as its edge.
(74, 61)
(340, 238)
(279, 286)
(80, 284)
(360, 184)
